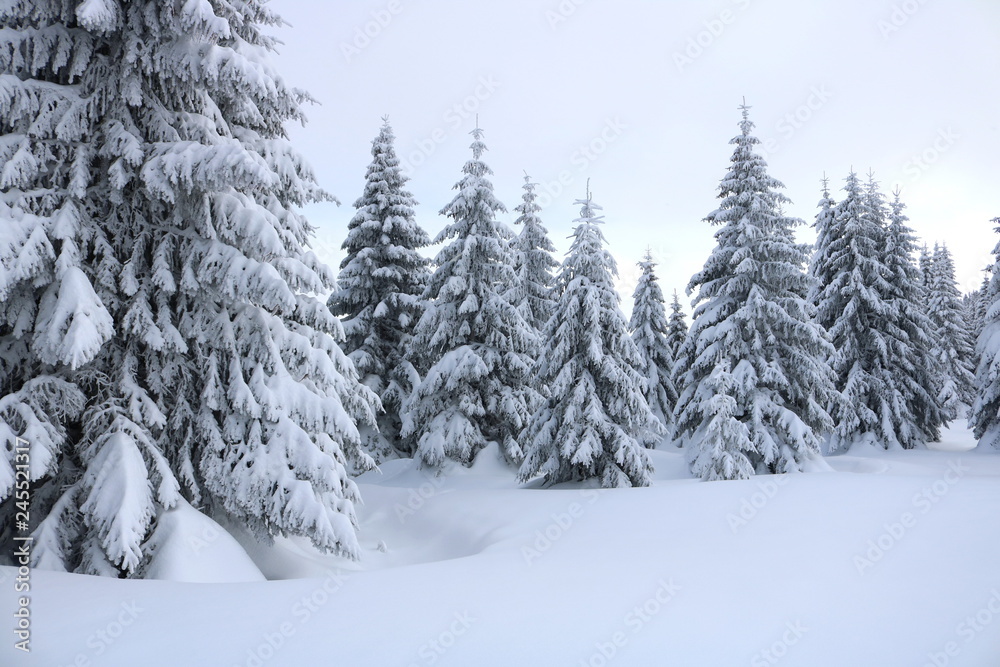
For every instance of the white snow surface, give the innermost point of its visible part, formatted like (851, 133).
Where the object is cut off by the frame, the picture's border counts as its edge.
(189, 546)
(476, 571)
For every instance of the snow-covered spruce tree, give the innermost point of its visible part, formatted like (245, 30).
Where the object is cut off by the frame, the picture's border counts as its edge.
(984, 417)
(917, 373)
(649, 329)
(160, 331)
(971, 309)
(952, 341)
(983, 297)
(595, 423)
(976, 305)
(379, 287)
(677, 329)
(924, 264)
(533, 262)
(754, 372)
(822, 271)
(473, 340)
(857, 304)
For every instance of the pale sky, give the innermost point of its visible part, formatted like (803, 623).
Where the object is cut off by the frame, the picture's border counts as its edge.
(641, 98)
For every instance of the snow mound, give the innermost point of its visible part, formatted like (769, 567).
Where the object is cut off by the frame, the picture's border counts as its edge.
(188, 546)
(669, 463)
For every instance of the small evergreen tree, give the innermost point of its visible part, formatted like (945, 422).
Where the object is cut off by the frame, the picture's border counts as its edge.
(952, 342)
(649, 329)
(822, 268)
(984, 418)
(595, 420)
(379, 287)
(475, 342)
(924, 264)
(533, 262)
(977, 304)
(755, 377)
(677, 330)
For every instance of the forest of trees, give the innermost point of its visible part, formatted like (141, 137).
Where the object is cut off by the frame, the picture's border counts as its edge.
(166, 334)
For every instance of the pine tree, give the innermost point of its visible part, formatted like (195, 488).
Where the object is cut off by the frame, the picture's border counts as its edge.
(984, 418)
(161, 333)
(917, 373)
(677, 328)
(952, 341)
(977, 304)
(753, 368)
(649, 329)
(379, 287)
(924, 264)
(595, 420)
(821, 268)
(533, 262)
(474, 341)
(864, 285)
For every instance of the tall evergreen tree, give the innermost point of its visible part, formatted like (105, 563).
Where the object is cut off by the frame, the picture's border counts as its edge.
(161, 332)
(952, 341)
(821, 268)
(924, 264)
(533, 262)
(859, 268)
(677, 330)
(755, 377)
(649, 329)
(917, 373)
(594, 422)
(475, 342)
(984, 418)
(977, 305)
(379, 287)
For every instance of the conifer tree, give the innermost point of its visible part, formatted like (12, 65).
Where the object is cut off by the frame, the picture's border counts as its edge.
(649, 329)
(924, 264)
(984, 418)
(918, 375)
(533, 262)
(754, 373)
(474, 341)
(821, 268)
(976, 307)
(677, 330)
(161, 332)
(595, 420)
(952, 341)
(865, 282)
(379, 287)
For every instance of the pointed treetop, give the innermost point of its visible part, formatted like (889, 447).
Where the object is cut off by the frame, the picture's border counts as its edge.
(478, 147)
(746, 123)
(647, 257)
(589, 208)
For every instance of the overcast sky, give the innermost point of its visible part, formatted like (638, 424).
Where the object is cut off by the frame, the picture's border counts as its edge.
(641, 98)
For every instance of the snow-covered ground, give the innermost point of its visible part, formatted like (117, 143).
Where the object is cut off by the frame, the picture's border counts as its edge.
(889, 560)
